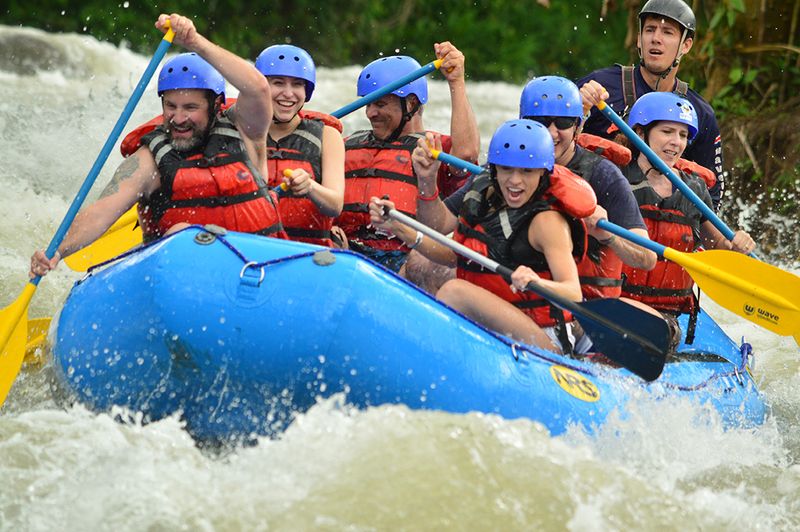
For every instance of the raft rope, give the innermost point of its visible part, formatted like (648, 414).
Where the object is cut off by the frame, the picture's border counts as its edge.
(516, 348)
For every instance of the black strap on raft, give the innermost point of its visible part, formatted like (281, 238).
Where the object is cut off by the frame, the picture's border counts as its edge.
(691, 326)
(561, 330)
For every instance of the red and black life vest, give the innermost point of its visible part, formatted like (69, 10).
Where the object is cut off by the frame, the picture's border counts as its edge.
(614, 152)
(492, 229)
(697, 170)
(216, 185)
(675, 223)
(600, 271)
(376, 168)
(302, 149)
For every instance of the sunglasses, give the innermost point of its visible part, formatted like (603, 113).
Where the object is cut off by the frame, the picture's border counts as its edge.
(561, 122)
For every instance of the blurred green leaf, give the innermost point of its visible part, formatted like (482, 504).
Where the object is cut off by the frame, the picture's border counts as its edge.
(738, 5)
(718, 14)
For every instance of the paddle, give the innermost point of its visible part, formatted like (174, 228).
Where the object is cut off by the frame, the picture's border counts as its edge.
(452, 160)
(37, 335)
(662, 167)
(120, 237)
(13, 319)
(386, 89)
(756, 291)
(641, 347)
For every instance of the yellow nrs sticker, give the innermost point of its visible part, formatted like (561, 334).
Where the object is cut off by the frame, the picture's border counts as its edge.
(575, 384)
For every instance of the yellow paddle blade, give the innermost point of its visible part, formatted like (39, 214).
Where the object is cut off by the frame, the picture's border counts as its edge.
(755, 290)
(120, 237)
(35, 344)
(13, 333)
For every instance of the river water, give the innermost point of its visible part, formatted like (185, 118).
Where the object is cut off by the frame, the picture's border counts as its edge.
(667, 466)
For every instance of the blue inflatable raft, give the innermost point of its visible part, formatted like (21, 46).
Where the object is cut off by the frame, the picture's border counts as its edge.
(239, 333)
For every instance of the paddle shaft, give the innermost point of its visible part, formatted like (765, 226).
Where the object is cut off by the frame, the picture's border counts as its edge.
(386, 89)
(506, 272)
(695, 265)
(452, 160)
(107, 147)
(646, 243)
(662, 167)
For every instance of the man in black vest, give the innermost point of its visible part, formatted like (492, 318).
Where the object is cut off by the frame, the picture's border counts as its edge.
(666, 34)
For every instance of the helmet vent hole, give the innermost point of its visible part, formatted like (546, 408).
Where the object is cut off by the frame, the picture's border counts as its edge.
(368, 76)
(281, 57)
(296, 58)
(185, 69)
(522, 146)
(506, 145)
(170, 70)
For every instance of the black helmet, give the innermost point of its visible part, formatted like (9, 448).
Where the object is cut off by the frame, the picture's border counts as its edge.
(677, 10)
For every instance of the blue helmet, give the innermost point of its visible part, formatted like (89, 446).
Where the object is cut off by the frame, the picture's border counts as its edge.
(551, 96)
(522, 144)
(190, 71)
(383, 71)
(288, 60)
(655, 106)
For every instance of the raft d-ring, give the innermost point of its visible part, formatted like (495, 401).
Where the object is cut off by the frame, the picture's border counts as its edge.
(514, 352)
(248, 265)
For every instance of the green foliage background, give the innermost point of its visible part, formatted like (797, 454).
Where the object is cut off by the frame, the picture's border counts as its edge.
(502, 39)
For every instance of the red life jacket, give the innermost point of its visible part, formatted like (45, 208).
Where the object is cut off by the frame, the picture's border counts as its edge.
(493, 230)
(692, 168)
(218, 185)
(376, 168)
(673, 222)
(325, 118)
(133, 140)
(616, 153)
(302, 149)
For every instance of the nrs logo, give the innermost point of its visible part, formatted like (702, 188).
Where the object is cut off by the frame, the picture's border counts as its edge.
(575, 384)
(749, 309)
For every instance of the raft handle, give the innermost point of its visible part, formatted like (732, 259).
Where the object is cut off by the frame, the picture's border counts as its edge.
(248, 265)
